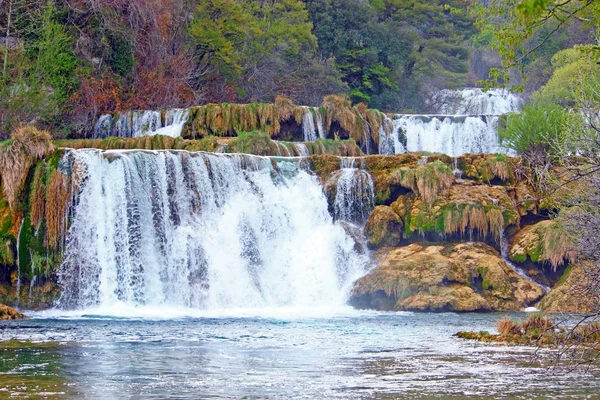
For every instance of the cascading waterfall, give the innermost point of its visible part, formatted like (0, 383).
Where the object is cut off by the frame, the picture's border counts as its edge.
(475, 101)
(355, 198)
(204, 230)
(141, 123)
(504, 248)
(320, 128)
(468, 123)
(308, 127)
(450, 135)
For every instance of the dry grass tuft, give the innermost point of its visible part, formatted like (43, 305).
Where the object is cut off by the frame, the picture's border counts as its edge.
(58, 202)
(28, 146)
(507, 326)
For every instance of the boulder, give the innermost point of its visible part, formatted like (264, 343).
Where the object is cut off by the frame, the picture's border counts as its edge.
(7, 312)
(569, 294)
(384, 228)
(453, 277)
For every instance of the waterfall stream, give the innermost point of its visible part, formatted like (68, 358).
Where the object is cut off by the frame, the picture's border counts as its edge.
(467, 122)
(205, 231)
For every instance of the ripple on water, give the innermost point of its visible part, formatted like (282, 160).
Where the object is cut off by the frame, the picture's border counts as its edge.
(350, 354)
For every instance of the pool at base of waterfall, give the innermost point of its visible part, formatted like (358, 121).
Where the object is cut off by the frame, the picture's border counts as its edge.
(272, 353)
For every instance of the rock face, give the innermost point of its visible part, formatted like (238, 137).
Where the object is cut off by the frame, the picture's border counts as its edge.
(7, 313)
(454, 277)
(384, 227)
(568, 295)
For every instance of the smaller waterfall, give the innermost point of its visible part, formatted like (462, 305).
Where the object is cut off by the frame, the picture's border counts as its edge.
(175, 119)
(320, 128)
(302, 149)
(103, 126)
(141, 123)
(355, 193)
(281, 149)
(308, 127)
(451, 135)
(145, 123)
(475, 101)
(504, 248)
(458, 173)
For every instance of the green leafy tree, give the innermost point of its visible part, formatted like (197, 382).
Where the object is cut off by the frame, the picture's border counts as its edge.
(523, 27)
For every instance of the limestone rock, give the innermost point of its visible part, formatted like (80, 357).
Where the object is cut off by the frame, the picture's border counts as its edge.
(384, 227)
(7, 312)
(544, 242)
(568, 295)
(456, 277)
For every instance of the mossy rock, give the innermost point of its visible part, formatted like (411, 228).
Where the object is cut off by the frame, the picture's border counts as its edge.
(9, 313)
(384, 228)
(418, 277)
(542, 243)
(569, 294)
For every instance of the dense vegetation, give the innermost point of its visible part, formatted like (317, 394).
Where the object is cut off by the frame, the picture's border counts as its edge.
(65, 61)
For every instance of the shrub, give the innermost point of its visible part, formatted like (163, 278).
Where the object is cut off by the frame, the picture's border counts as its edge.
(507, 326)
(539, 127)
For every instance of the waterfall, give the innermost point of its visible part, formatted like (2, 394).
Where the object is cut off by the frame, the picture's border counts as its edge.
(302, 149)
(202, 230)
(354, 196)
(320, 128)
(474, 101)
(141, 123)
(504, 249)
(308, 127)
(174, 121)
(467, 123)
(451, 135)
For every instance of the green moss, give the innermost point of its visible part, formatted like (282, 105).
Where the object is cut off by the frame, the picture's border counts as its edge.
(255, 142)
(383, 197)
(520, 258)
(565, 275)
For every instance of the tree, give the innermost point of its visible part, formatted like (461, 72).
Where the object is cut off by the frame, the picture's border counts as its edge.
(523, 27)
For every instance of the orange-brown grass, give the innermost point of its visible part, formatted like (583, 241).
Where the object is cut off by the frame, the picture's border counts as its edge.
(428, 180)
(471, 216)
(507, 326)
(58, 202)
(29, 145)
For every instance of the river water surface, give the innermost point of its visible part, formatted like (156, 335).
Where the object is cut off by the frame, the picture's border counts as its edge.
(275, 354)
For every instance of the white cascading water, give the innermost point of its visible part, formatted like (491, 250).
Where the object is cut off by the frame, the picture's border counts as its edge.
(449, 135)
(202, 230)
(320, 127)
(504, 249)
(470, 124)
(174, 121)
(355, 193)
(475, 101)
(141, 123)
(308, 127)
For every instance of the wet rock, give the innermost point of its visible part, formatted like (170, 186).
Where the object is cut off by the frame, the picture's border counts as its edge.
(384, 228)
(569, 294)
(7, 313)
(455, 277)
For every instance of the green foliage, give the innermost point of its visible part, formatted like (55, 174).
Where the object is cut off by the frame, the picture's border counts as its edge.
(526, 30)
(255, 142)
(121, 58)
(383, 46)
(234, 35)
(537, 127)
(572, 69)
